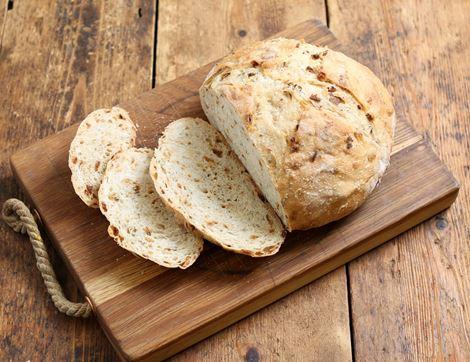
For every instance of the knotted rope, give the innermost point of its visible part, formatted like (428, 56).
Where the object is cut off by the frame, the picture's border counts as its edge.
(19, 218)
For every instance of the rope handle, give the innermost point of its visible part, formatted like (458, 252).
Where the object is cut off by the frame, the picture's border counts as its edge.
(17, 215)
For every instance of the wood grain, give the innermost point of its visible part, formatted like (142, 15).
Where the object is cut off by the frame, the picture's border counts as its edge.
(58, 61)
(192, 34)
(411, 297)
(3, 12)
(159, 315)
(321, 308)
(434, 98)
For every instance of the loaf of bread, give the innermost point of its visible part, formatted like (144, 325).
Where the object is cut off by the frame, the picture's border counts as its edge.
(313, 127)
(139, 221)
(202, 180)
(101, 134)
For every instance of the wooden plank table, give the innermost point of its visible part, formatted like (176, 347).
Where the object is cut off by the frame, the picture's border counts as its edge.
(409, 297)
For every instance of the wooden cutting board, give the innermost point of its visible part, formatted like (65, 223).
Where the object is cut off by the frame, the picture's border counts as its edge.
(151, 312)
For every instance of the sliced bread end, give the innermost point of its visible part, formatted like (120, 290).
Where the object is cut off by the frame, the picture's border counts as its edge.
(101, 134)
(203, 182)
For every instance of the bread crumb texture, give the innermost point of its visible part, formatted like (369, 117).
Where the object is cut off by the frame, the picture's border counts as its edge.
(101, 134)
(139, 220)
(201, 179)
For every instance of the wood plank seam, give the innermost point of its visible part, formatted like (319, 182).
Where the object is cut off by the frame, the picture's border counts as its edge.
(346, 267)
(327, 14)
(155, 42)
(5, 13)
(351, 322)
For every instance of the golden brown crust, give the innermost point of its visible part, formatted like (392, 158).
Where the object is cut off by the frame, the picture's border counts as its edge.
(360, 81)
(322, 123)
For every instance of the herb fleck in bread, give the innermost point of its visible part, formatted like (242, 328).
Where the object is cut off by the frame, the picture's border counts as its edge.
(313, 127)
(139, 221)
(202, 180)
(101, 134)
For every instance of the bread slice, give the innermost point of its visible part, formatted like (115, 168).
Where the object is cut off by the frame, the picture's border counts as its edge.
(139, 221)
(201, 179)
(101, 134)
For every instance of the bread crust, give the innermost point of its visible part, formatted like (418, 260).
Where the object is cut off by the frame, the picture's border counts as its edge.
(322, 123)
